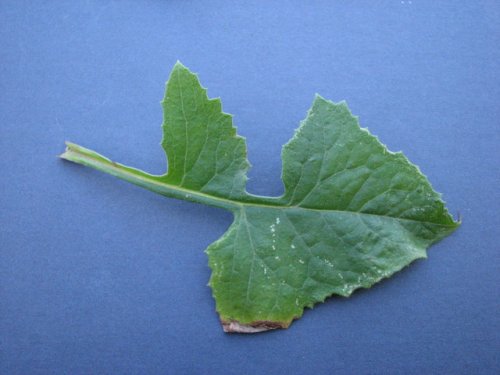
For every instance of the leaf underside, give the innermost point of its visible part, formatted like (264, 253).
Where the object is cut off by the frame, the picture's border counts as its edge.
(352, 212)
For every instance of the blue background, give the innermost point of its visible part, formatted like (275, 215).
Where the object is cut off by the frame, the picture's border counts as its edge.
(98, 276)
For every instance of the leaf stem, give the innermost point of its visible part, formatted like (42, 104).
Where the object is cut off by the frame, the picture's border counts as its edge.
(89, 158)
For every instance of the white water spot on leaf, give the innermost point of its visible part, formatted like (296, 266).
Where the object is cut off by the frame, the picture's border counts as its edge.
(292, 246)
(277, 220)
(347, 289)
(301, 261)
(330, 264)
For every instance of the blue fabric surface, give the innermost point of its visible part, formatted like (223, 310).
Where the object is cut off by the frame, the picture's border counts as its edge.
(101, 277)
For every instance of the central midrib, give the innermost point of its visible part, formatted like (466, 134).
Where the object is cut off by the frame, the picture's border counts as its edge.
(200, 197)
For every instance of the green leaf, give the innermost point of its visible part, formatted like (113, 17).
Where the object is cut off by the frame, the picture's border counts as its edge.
(352, 213)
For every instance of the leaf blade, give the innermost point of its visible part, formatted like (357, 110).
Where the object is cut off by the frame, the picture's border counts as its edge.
(312, 255)
(203, 150)
(348, 169)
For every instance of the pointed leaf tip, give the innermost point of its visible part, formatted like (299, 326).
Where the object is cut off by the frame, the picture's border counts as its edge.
(179, 63)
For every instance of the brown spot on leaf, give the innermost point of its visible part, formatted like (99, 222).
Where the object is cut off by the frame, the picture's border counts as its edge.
(233, 326)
